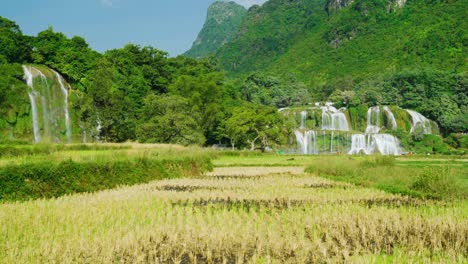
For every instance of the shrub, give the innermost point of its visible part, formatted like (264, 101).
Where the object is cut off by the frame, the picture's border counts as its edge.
(46, 179)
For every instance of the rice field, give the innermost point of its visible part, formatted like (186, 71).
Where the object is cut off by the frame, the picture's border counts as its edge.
(236, 215)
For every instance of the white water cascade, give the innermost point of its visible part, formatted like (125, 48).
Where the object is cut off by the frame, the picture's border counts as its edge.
(373, 120)
(303, 119)
(333, 119)
(65, 106)
(32, 97)
(359, 144)
(307, 142)
(384, 144)
(334, 134)
(390, 118)
(372, 142)
(420, 121)
(48, 96)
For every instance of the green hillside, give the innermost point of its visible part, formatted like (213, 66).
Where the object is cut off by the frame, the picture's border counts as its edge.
(371, 52)
(322, 41)
(222, 22)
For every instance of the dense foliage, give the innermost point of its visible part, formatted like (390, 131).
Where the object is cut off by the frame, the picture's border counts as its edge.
(356, 42)
(53, 178)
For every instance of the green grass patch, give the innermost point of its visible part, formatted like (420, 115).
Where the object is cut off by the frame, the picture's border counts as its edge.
(50, 176)
(240, 159)
(18, 150)
(441, 182)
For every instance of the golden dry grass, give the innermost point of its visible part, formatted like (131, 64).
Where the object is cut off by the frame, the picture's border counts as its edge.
(230, 219)
(254, 171)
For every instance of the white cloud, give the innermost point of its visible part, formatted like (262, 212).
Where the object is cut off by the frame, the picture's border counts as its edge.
(249, 3)
(107, 3)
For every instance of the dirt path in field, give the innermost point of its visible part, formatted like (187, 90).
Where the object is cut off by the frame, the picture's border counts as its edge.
(254, 171)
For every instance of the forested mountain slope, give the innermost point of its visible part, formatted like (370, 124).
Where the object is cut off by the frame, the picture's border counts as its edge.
(222, 22)
(354, 52)
(322, 41)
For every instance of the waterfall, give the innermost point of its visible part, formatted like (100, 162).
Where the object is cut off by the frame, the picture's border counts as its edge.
(32, 97)
(49, 104)
(420, 121)
(45, 105)
(98, 127)
(333, 119)
(307, 141)
(384, 144)
(390, 118)
(313, 147)
(301, 141)
(331, 135)
(303, 119)
(358, 144)
(65, 106)
(373, 120)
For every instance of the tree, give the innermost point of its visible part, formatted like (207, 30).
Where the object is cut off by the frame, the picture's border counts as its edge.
(13, 45)
(343, 98)
(169, 119)
(252, 123)
(205, 94)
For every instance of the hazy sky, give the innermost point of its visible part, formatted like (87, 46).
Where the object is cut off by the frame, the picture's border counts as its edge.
(170, 25)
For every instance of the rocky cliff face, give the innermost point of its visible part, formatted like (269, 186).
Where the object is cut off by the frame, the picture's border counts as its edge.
(335, 5)
(222, 22)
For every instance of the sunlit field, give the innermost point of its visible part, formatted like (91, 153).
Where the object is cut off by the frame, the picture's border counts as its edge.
(261, 208)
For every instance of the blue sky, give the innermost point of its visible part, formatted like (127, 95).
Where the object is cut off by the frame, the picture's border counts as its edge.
(170, 25)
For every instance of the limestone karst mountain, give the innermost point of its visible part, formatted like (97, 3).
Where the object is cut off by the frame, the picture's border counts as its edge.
(221, 25)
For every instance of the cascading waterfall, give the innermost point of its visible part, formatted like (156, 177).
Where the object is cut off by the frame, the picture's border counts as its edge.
(98, 128)
(333, 119)
(301, 141)
(372, 142)
(420, 122)
(303, 119)
(373, 120)
(65, 106)
(390, 118)
(384, 144)
(307, 141)
(359, 145)
(45, 106)
(49, 105)
(332, 134)
(32, 97)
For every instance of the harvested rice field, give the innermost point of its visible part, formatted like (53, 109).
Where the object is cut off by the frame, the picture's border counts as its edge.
(235, 215)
